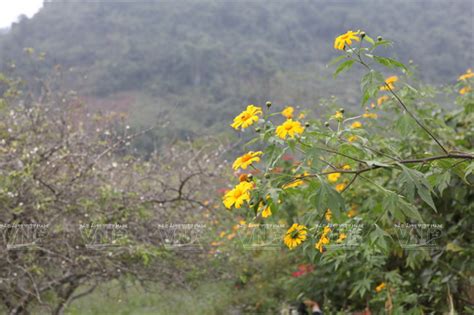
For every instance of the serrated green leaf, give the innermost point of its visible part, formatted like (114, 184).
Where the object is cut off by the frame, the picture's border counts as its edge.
(390, 63)
(336, 60)
(346, 65)
(369, 39)
(422, 185)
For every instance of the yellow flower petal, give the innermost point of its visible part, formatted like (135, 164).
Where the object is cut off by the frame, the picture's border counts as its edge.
(288, 112)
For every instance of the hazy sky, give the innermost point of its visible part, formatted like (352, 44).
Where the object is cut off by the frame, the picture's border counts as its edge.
(11, 9)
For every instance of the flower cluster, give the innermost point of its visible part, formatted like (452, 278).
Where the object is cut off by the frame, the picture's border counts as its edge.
(324, 239)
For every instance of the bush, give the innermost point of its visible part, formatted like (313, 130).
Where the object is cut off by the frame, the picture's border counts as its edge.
(380, 201)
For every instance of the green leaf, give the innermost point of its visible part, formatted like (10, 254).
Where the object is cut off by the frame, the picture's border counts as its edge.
(442, 181)
(381, 43)
(369, 39)
(390, 63)
(452, 247)
(346, 65)
(336, 60)
(362, 286)
(404, 124)
(400, 208)
(469, 170)
(274, 153)
(370, 85)
(423, 188)
(326, 197)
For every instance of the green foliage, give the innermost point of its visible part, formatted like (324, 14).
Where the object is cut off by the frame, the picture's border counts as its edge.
(396, 236)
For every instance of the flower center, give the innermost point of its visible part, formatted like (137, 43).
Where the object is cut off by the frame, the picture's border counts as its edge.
(237, 193)
(246, 157)
(245, 116)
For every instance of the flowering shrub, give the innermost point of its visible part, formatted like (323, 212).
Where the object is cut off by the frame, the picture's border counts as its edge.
(380, 200)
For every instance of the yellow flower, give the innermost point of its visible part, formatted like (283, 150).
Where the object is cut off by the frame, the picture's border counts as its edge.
(352, 212)
(465, 90)
(231, 236)
(382, 99)
(301, 116)
(338, 115)
(293, 184)
(290, 128)
(328, 215)
(326, 230)
(356, 124)
(297, 181)
(346, 167)
(346, 39)
(352, 138)
(340, 187)
(266, 212)
(389, 81)
(295, 235)
(324, 240)
(247, 159)
(469, 74)
(247, 117)
(380, 287)
(369, 115)
(222, 234)
(333, 177)
(288, 112)
(342, 237)
(238, 195)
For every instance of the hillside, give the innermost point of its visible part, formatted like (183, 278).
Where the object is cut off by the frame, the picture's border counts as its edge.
(186, 59)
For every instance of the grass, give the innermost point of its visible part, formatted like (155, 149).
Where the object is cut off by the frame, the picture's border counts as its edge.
(210, 298)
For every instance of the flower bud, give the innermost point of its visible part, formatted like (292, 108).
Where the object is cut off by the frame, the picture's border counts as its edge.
(258, 129)
(249, 176)
(341, 110)
(269, 104)
(362, 34)
(267, 176)
(307, 124)
(326, 123)
(379, 38)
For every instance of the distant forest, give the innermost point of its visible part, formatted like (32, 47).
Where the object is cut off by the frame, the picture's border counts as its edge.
(198, 62)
